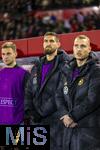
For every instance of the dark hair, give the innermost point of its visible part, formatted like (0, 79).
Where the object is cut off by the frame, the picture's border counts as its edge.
(82, 37)
(52, 34)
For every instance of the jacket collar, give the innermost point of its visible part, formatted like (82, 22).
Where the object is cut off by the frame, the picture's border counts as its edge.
(68, 68)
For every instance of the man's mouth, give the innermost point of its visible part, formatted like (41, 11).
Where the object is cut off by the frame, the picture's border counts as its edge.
(79, 54)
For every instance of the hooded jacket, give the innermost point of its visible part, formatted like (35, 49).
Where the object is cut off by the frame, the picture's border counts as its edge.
(81, 101)
(40, 100)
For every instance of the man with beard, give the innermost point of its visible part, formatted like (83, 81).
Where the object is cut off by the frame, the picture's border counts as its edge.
(78, 98)
(40, 92)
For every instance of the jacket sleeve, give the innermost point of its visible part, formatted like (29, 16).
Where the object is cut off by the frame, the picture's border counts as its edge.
(28, 99)
(92, 102)
(29, 94)
(60, 100)
(30, 112)
(26, 78)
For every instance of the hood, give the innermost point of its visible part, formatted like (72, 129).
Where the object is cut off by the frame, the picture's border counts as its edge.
(93, 58)
(63, 55)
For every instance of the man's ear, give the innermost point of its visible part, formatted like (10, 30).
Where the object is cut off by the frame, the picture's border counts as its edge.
(16, 54)
(59, 44)
(90, 48)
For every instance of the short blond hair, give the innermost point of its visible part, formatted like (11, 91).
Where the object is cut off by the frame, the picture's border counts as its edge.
(82, 37)
(9, 45)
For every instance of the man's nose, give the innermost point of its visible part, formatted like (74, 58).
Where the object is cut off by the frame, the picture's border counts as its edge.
(48, 42)
(79, 48)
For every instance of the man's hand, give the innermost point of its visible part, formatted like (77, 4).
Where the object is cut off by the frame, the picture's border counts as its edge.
(74, 124)
(68, 122)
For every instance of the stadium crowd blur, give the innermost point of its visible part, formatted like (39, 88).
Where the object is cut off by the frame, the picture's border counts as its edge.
(18, 19)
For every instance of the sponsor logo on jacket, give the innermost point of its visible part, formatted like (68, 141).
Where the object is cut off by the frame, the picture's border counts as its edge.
(5, 101)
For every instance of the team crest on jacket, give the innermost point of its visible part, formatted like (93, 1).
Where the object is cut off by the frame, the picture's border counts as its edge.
(65, 90)
(81, 81)
(35, 80)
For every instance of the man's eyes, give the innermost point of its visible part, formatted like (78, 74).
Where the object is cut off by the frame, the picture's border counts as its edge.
(81, 46)
(51, 41)
(6, 54)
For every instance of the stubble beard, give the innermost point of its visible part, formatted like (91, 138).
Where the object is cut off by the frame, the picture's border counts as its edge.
(49, 51)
